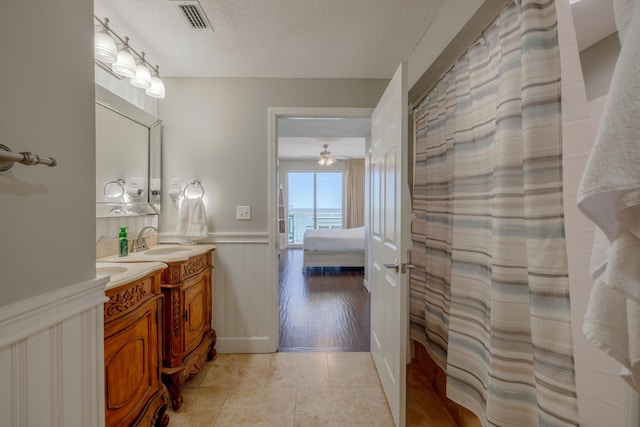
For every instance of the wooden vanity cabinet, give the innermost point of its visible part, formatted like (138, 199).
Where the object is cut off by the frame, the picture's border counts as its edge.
(134, 392)
(189, 339)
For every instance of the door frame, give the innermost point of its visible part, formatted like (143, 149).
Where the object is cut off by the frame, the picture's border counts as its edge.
(272, 206)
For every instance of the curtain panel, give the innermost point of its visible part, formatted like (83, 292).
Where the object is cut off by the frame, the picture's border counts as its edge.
(490, 294)
(355, 193)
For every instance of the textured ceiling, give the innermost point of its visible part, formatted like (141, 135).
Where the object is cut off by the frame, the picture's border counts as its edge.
(299, 38)
(275, 38)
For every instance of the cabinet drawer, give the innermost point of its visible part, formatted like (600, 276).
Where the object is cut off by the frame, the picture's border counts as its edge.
(179, 272)
(124, 299)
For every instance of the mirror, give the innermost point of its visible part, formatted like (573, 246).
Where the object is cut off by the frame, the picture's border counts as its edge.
(128, 158)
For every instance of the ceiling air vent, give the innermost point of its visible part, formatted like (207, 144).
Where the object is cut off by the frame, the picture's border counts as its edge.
(193, 13)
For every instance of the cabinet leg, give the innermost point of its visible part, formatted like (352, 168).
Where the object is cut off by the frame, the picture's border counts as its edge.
(163, 419)
(212, 350)
(175, 384)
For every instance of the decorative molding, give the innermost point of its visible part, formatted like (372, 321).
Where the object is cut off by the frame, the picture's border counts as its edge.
(194, 266)
(223, 237)
(173, 274)
(175, 307)
(24, 318)
(124, 300)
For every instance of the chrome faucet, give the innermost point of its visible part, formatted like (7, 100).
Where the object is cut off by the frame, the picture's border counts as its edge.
(140, 244)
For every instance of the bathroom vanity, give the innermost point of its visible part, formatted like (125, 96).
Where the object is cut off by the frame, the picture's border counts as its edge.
(134, 392)
(184, 291)
(189, 339)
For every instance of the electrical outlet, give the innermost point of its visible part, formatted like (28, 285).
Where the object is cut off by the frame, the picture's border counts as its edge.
(243, 212)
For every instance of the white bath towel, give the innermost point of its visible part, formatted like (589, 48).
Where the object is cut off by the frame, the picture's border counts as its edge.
(609, 195)
(612, 321)
(192, 219)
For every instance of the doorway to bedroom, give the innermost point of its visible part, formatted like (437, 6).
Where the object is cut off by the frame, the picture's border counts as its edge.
(321, 308)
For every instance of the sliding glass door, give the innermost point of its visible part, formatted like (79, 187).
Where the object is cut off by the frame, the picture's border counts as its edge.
(314, 201)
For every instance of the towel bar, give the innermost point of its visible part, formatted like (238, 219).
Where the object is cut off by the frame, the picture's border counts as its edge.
(8, 158)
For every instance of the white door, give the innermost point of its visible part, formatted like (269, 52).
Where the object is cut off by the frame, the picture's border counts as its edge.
(389, 233)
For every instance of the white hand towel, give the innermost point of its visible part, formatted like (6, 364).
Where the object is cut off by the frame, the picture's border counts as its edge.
(609, 195)
(192, 219)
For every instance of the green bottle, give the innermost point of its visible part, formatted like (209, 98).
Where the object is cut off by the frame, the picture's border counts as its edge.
(123, 242)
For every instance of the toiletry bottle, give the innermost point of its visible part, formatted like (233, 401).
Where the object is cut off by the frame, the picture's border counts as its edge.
(123, 242)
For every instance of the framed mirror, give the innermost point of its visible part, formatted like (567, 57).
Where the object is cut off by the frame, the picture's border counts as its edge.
(128, 158)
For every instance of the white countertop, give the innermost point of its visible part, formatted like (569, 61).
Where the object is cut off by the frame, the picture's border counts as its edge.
(161, 253)
(121, 273)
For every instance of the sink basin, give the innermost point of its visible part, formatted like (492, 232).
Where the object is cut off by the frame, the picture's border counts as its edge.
(110, 271)
(166, 251)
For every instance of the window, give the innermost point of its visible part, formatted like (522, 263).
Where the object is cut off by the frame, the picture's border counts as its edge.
(315, 201)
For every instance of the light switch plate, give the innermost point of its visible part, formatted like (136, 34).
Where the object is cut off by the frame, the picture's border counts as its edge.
(243, 212)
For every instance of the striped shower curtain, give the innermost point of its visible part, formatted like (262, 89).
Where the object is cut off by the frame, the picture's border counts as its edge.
(490, 294)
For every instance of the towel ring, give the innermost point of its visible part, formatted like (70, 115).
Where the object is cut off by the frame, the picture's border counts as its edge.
(114, 188)
(194, 190)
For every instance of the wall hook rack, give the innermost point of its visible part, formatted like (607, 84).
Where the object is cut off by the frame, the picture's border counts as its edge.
(8, 158)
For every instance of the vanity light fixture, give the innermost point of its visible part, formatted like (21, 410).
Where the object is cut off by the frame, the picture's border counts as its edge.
(326, 158)
(157, 86)
(114, 54)
(105, 47)
(125, 65)
(142, 79)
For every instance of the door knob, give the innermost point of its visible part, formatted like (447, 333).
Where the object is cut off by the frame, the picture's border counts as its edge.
(395, 265)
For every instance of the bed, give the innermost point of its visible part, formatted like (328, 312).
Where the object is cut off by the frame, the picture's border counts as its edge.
(333, 248)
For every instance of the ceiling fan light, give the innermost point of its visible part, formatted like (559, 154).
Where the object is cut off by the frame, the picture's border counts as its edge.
(104, 46)
(326, 158)
(125, 65)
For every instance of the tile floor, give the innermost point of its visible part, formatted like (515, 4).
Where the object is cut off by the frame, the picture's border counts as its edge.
(299, 389)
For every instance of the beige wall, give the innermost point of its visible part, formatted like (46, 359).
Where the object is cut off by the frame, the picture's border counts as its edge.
(47, 222)
(215, 130)
(598, 62)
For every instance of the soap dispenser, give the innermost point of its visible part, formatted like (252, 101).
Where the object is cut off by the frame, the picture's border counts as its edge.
(123, 242)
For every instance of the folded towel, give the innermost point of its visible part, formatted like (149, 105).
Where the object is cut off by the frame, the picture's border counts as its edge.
(609, 195)
(192, 219)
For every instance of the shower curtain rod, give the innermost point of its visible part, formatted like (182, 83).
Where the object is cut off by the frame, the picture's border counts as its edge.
(485, 17)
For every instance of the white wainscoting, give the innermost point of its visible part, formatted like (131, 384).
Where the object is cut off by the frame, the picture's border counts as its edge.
(245, 308)
(51, 358)
(245, 299)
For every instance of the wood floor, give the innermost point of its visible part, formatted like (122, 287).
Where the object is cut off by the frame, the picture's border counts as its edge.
(326, 309)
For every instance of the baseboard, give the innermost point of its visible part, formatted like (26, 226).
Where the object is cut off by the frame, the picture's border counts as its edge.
(246, 345)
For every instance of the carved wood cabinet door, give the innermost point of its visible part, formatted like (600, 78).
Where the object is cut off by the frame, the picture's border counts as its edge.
(197, 298)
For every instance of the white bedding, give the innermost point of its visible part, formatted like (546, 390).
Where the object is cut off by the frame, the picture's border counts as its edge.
(334, 239)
